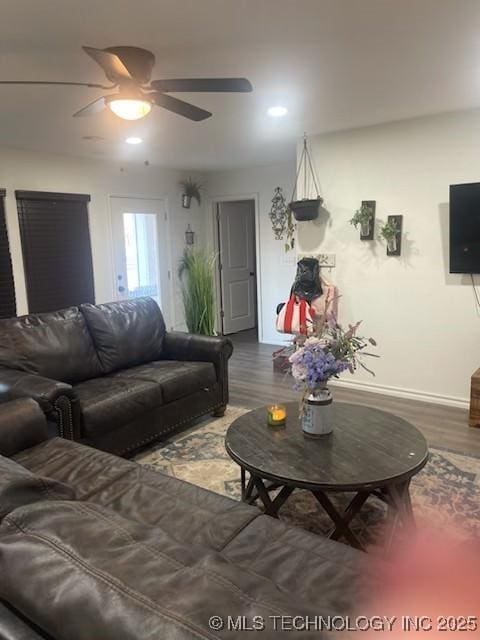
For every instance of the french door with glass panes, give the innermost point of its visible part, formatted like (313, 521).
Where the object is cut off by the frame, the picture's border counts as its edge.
(140, 248)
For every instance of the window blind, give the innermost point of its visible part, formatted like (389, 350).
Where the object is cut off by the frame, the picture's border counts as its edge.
(8, 307)
(56, 249)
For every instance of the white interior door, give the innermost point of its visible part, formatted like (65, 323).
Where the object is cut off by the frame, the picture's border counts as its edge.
(236, 232)
(140, 249)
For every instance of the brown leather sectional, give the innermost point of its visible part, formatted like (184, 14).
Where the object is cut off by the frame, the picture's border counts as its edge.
(96, 547)
(110, 375)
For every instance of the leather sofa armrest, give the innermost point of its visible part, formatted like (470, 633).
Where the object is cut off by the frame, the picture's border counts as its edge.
(189, 346)
(196, 348)
(19, 384)
(57, 399)
(22, 425)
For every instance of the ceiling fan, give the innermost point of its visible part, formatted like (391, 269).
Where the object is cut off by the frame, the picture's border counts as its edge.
(129, 70)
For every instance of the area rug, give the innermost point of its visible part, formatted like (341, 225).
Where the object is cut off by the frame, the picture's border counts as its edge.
(445, 494)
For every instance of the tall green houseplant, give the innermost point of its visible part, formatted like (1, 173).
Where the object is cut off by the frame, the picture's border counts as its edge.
(196, 271)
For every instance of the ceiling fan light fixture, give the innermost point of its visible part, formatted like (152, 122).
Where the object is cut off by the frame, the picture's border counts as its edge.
(129, 70)
(130, 108)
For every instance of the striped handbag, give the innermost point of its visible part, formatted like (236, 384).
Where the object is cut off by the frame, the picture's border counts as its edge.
(295, 316)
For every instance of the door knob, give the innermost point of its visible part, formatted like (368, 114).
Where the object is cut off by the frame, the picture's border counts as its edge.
(121, 289)
(252, 273)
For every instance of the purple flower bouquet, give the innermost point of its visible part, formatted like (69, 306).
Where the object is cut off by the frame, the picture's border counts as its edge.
(325, 354)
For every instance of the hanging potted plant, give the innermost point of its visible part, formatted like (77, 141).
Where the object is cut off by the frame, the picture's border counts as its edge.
(389, 232)
(190, 189)
(306, 208)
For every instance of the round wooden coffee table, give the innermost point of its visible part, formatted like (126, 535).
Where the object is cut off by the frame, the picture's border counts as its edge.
(369, 452)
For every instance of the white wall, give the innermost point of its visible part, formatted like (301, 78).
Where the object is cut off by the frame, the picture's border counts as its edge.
(424, 319)
(276, 270)
(46, 172)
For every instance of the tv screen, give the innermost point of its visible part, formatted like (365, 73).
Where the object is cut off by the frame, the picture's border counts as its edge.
(465, 228)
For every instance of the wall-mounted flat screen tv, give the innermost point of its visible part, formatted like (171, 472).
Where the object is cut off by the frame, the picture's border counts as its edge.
(465, 228)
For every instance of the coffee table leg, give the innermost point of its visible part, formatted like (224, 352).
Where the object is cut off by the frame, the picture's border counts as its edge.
(400, 511)
(246, 487)
(399, 498)
(340, 520)
(249, 490)
(408, 505)
(354, 506)
(272, 507)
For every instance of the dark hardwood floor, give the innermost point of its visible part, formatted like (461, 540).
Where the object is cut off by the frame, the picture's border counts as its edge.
(253, 383)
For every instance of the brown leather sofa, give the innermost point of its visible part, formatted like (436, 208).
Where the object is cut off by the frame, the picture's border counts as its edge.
(96, 547)
(110, 375)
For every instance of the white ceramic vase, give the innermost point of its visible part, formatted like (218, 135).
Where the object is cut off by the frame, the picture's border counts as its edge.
(317, 418)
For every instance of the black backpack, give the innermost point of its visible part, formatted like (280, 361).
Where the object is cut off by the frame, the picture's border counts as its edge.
(307, 285)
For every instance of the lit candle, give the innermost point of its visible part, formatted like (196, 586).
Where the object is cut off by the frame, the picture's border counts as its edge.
(277, 414)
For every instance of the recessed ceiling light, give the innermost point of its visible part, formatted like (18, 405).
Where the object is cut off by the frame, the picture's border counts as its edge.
(277, 111)
(133, 140)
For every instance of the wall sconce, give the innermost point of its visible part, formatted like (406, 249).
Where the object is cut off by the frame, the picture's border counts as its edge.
(189, 236)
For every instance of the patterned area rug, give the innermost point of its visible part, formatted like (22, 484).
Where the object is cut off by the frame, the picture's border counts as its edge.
(446, 493)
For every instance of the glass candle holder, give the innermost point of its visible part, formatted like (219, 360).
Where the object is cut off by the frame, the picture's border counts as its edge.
(276, 414)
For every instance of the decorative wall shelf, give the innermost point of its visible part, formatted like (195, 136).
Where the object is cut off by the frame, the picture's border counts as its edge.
(394, 246)
(278, 213)
(367, 232)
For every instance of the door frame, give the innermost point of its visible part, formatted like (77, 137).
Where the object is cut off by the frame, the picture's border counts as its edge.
(214, 200)
(169, 312)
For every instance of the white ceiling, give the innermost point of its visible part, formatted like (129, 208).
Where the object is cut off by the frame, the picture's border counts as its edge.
(335, 64)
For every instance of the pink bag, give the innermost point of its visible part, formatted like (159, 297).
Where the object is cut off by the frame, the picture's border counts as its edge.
(295, 316)
(326, 305)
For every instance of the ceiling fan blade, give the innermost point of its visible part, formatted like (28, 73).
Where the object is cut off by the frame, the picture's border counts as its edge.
(239, 85)
(112, 65)
(48, 82)
(91, 109)
(179, 107)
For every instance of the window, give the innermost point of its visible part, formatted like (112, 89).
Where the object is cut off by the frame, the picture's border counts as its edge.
(56, 249)
(7, 288)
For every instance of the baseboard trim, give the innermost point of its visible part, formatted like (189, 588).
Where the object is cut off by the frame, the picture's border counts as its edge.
(398, 392)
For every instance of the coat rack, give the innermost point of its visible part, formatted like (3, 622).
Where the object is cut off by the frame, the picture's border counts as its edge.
(325, 260)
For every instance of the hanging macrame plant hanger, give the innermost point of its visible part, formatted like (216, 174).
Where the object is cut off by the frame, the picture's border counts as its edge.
(307, 208)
